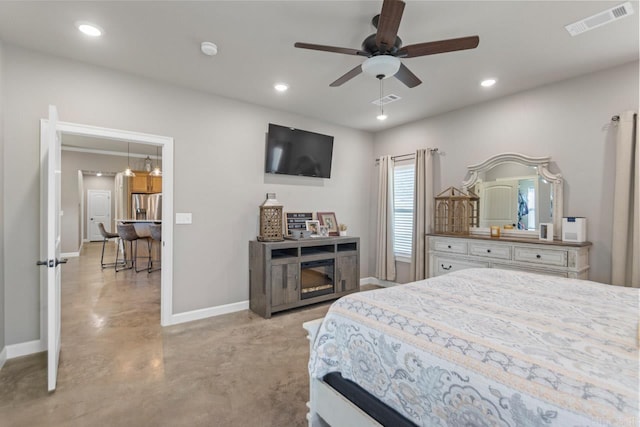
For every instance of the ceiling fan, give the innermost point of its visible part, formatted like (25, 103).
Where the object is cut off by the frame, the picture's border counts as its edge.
(384, 48)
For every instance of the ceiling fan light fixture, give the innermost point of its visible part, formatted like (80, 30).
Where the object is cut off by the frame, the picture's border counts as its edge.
(381, 65)
(381, 117)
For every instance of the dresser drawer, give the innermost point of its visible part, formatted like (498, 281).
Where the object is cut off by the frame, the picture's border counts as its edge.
(448, 265)
(541, 256)
(450, 245)
(540, 270)
(490, 250)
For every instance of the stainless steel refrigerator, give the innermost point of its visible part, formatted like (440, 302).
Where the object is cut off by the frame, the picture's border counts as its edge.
(146, 206)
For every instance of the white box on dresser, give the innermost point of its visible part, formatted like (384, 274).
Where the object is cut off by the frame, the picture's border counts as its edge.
(451, 253)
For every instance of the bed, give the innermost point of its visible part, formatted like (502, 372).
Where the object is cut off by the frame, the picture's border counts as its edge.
(480, 347)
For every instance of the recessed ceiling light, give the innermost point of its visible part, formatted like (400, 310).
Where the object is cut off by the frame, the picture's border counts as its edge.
(209, 48)
(99, 174)
(89, 29)
(381, 117)
(488, 82)
(281, 87)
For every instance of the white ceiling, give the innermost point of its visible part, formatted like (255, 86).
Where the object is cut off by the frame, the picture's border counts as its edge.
(522, 43)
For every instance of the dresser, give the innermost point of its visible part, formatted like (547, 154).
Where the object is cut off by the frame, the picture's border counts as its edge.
(556, 258)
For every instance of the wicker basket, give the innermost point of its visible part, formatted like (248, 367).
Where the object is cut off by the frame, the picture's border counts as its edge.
(456, 211)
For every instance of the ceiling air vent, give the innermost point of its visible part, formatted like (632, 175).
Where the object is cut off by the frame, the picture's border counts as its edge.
(600, 19)
(386, 99)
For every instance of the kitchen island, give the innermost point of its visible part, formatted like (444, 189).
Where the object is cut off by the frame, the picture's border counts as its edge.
(144, 232)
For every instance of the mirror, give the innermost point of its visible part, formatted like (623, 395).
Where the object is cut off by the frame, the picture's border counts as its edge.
(516, 191)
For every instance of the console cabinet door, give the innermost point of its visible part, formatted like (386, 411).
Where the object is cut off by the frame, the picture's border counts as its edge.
(347, 273)
(285, 288)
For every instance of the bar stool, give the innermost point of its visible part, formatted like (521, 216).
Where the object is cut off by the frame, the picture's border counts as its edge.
(127, 233)
(156, 235)
(106, 236)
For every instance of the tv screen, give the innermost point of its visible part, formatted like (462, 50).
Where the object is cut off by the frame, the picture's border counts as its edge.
(297, 152)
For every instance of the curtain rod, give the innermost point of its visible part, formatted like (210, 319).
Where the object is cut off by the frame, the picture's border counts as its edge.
(408, 156)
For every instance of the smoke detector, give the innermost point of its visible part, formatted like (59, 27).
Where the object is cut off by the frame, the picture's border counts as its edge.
(208, 48)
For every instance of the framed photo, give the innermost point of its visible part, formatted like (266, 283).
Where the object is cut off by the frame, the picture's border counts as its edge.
(313, 226)
(329, 219)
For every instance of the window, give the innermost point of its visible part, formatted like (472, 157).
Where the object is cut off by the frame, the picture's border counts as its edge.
(403, 182)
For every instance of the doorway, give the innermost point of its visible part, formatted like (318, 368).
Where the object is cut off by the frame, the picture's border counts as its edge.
(165, 146)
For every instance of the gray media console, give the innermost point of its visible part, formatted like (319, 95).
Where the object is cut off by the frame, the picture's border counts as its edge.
(294, 273)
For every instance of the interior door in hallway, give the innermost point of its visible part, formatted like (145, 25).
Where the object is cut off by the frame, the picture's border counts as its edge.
(98, 210)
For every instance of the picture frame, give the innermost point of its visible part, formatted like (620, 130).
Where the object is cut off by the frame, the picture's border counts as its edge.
(313, 226)
(329, 219)
(546, 231)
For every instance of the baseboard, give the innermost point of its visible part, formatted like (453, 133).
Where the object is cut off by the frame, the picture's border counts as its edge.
(203, 313)
(69, 254)
(378, 282)
(3, 357)
(25, 348)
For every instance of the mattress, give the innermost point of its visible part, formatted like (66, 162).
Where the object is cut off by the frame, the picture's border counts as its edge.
(490, 347)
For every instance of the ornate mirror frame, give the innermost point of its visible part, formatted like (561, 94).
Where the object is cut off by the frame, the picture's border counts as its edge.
(542, 166)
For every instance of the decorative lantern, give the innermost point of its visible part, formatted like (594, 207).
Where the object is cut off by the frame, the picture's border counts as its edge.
(456, 211)
(271, 220)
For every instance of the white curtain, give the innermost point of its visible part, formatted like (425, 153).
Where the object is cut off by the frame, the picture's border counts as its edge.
(385, 260)
(422, 213)
(625, 250)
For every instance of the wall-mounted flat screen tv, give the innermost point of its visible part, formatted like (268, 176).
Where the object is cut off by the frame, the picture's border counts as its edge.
(297, 152)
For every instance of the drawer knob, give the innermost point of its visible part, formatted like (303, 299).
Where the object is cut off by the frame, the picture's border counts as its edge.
(488, 251)
(538, 256)
(449, 246)
(445, 268)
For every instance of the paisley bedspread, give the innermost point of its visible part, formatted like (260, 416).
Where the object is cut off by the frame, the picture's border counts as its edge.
(489, 347)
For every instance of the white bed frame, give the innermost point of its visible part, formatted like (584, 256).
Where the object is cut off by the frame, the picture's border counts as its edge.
(326, 406)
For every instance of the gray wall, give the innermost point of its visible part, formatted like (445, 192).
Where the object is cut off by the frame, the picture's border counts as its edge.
(2, 204)
(568, 120)
(72, 161)
(218, 163)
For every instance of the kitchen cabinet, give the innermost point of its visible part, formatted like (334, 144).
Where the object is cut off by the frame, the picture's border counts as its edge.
(145, 183)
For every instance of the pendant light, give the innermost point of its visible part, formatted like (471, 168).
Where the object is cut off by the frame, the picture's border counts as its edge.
(382, 116)
(156, 171)
(128, 171)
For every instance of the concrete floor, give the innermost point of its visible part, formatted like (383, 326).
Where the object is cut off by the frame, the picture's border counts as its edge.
(119, 367)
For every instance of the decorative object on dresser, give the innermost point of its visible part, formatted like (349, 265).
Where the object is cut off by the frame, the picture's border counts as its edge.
(292, 274)
(271, 220)
(546, 231)
(574, 229)
(328, 219)
(343, 229)
(495, 231)
(297, 221)
(455, 211)
(313, 226)
(517, 191)
(450, 253)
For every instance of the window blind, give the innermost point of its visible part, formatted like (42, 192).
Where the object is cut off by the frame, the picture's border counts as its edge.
(403, 183)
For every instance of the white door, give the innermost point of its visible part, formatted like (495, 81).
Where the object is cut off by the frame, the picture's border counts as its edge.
(50, 170)
(98, 211)
(499, 203)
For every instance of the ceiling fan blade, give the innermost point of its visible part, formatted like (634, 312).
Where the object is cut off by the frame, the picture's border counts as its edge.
(348, 76)
(388, 24)
(441, 46)
(345, 50)
(407, 77)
